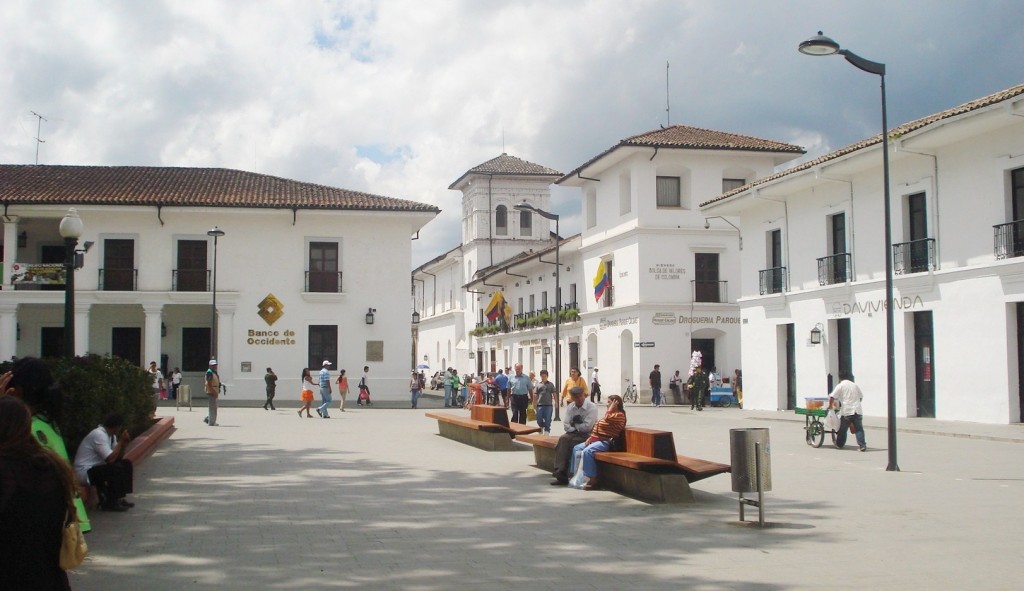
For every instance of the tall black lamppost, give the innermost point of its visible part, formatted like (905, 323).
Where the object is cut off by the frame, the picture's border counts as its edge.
(71, 229)
(822, 45)
(524, 206)
(216, 233)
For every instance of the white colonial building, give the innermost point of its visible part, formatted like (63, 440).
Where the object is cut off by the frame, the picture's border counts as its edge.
(813, 269)
(300, 271)
(450, 304)
(673, 271)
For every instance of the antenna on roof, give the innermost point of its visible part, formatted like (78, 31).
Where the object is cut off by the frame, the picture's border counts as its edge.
(39, 129)
(502, 139)
(668, 107)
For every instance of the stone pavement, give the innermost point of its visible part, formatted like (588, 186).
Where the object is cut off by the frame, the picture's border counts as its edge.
(375, 499)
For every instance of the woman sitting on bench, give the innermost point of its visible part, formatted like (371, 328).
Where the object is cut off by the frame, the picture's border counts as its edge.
(606, 435)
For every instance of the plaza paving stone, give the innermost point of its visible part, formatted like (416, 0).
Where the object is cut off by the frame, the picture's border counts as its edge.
(374, 499)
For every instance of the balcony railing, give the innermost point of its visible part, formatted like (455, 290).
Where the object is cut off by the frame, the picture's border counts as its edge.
(118, 279)
(323, 281)
(190, 280)
(711, 292)
(916, 256)
(530, 320)
(835, 268)
(772, 280)
(1009, 239)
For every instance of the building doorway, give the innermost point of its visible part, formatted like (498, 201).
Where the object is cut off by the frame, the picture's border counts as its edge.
(924, 362)
(707, 352)
(789, 346)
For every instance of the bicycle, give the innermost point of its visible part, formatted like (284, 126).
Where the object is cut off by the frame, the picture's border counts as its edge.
(630, 395)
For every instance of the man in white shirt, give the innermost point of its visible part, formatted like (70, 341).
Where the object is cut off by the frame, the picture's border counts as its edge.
(158, 379)
(595, 386)
(849, 396)
(100, 462)
(580, 417)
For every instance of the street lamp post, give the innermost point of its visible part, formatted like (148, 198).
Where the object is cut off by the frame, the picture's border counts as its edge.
(524, 206)
(215, 233)
(71, 229)
(822, 45)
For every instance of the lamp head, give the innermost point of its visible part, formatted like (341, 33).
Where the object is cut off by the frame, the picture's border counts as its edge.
(215, 232)
(707, 224)
(71, 225)
(819, 45)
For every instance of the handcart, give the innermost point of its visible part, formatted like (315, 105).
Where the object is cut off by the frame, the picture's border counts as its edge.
(814, 428)
(722, 397)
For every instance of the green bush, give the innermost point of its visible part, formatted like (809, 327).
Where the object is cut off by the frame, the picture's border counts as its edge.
(95, 387)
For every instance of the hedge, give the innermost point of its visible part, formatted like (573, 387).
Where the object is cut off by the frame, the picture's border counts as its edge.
(95, 387)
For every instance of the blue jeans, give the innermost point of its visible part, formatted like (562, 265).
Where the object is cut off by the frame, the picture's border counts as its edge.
(589, 463)
(656, 395)
(544, 417)
(325, 398)
(844, 429)
(416, 397)
(447, 395)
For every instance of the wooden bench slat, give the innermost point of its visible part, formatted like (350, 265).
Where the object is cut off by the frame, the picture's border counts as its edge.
(548, 441)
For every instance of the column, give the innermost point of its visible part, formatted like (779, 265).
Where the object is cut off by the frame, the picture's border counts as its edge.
(226, 342)
(10, 250)
(151, 334)
(8, 330)
(82, 310)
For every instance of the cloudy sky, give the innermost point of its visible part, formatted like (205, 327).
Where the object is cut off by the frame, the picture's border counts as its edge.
(400, 97)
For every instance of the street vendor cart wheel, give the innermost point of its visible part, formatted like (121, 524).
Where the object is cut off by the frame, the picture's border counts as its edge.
(816, 433)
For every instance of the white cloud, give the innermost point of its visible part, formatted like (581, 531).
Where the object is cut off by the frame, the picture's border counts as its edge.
(400, 97)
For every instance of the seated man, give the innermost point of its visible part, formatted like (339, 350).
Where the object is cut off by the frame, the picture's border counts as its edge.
(100, 462)
(580, 417)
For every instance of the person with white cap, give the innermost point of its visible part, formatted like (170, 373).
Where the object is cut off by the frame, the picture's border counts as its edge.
(325, 390)
(212, 392)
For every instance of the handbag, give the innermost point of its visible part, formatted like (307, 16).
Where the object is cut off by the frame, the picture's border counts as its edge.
(531, 413)
(832, 422)
(578, 478)
(73, 548)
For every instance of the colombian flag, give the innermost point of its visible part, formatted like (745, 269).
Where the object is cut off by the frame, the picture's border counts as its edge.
(499, 307)
(601, 282)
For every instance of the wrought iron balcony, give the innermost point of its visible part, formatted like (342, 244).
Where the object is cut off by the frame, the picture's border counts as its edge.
(1009, 239)
(118, 279)
(712, 292)
(916, 256)
(835, 268)
(772, 280)
(190, 280)
(323, 281)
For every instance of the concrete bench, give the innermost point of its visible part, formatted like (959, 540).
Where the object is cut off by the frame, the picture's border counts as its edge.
(543, 449)
(487, 428)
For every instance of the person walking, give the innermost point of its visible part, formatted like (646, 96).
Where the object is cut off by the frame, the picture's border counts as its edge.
(521, 390)
(175, 382)
(448, 387)
(307, 393)
(325, 390)
(697, 384)
(364, 387)
(271, 380)
(212, 388)
(575, 380)
(543, 402)
(415, 388)
(850, 411)
(342, 389)
(655, 381)
(595, 386)
(158, 381)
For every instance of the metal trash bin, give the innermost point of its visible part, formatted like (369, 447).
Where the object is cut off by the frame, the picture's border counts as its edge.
(751, 454)
(743, 453)
(184, 396)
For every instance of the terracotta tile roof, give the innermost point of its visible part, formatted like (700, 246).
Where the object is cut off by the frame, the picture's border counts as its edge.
(693, 138)
(506, 165)
(183, 187)
(895, 132)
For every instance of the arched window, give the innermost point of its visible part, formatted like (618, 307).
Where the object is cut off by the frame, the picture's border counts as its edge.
(501, 221)
(525, 223)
